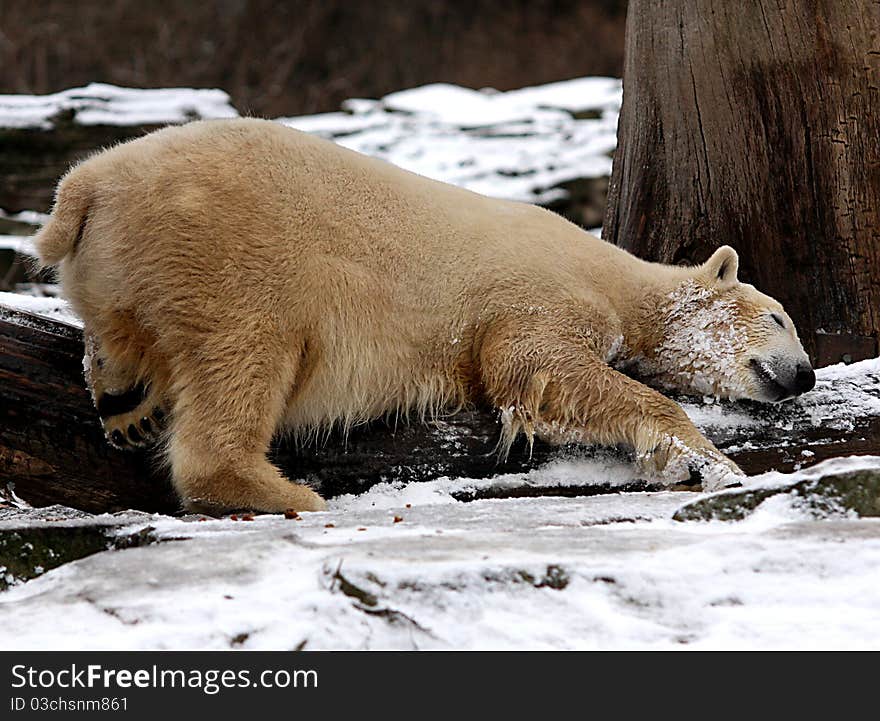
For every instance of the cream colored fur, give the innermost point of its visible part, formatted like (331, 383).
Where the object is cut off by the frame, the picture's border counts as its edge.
(261, 279)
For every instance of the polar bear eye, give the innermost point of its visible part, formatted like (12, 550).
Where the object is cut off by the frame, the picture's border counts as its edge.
(778, 319)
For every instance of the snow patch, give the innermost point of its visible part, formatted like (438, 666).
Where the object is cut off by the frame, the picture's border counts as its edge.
(103, 104)
(518, 145)
(562, 473)
(56, 309)
(31, 217)
(21, 244)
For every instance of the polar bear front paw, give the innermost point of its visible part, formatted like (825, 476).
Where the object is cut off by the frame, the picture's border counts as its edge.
(677, 464)
(718, 476)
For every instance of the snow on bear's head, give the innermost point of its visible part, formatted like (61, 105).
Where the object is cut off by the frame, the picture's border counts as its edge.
(726, 339)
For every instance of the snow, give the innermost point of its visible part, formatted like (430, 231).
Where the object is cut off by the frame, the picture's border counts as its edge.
(520, 145)
(31, 217)
(55, 308)
(19, 243)
(611, 469)
(845, 396)
(711, 414)
(832, 466)
(465, 108)
(102, 104)
(699, 355)
(607, 571)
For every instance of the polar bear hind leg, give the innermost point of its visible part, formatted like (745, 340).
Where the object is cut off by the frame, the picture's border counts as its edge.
(228, 403)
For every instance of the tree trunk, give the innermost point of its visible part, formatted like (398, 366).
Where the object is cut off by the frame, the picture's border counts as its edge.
(757, 124)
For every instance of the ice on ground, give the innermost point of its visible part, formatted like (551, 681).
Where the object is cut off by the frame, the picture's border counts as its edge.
(102, 104)
(417, 572)
(576, 96)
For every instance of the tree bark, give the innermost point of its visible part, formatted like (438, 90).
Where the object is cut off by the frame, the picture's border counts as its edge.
(756, 124)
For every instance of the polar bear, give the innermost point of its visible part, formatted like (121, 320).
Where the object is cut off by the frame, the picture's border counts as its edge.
(241, 278)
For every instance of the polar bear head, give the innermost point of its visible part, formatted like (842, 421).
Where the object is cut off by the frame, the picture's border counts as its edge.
(719, 337)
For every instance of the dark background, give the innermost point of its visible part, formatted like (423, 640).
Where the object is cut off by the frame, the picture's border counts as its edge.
(305, 56)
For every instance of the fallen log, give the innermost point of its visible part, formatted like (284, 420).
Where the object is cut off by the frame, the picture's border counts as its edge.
(52, 447)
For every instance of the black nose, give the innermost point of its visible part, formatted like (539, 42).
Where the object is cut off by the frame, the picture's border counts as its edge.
(804, 380)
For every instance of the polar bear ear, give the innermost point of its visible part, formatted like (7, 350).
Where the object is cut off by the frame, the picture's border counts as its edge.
(722, 267)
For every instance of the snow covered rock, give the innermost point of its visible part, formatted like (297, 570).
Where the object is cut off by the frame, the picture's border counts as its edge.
(42, 135)
(833, 488)
(530, 573)
(39, 540)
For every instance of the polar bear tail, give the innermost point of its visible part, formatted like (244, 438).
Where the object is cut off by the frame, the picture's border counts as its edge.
(61, 235)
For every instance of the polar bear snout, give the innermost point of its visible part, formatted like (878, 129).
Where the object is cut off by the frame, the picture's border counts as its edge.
(804, 379)
(781, 379)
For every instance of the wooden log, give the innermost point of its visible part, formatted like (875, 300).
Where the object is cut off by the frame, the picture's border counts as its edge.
(51, 443)
(53, 449)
